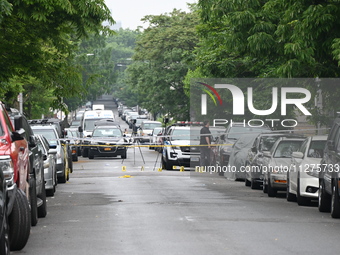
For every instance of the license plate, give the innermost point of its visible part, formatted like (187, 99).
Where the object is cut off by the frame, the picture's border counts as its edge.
(195, 159)
(107, 149)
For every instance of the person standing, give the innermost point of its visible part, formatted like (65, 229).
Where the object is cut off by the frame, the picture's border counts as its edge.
(205, 144)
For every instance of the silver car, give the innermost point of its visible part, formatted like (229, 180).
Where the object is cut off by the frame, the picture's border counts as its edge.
(50, 160)
(276, 164)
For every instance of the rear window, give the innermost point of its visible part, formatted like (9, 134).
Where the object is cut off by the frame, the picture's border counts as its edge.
(286, 148)
(50, 135)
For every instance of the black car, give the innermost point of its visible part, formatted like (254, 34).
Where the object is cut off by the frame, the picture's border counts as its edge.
(4, 226)
(36, 181)
(107, 141)
(329, 174)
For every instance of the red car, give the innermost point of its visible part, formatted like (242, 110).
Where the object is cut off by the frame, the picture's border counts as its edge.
(14, 162)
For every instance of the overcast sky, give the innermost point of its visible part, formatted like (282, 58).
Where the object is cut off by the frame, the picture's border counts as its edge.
(130, 12)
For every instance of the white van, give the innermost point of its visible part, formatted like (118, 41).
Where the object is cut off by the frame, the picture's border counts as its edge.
(90, 117)
(97, 107)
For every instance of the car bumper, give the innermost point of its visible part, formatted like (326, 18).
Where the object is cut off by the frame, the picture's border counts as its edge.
(309, 187)
(107, 151)
(278, 181)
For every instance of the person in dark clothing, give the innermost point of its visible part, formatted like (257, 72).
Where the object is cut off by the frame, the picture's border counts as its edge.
(205, 143)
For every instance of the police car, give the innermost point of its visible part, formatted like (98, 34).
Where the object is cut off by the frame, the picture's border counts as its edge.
(179, 145)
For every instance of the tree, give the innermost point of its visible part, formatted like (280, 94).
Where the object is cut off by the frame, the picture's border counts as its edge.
(161, 63)
(38, 38)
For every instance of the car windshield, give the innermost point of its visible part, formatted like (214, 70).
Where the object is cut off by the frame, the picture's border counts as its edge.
(316, 149)
(107, 132)
(237, 132)
(157, 130)
(186, 134)
(50, 135)
(286, 148)
(151, 125)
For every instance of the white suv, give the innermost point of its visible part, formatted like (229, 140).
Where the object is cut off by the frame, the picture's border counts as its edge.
(178, 149)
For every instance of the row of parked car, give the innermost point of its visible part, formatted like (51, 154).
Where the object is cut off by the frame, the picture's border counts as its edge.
(307, 168)
(34, 158)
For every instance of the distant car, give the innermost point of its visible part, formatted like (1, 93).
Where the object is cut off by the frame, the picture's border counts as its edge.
(72, 135)
(277, 162)
(303, 176)
(254, 161)
(75, 124)
(145, 130)
(154, 143)
(51, 135)
(4, 224)
(50, 160)
(233, 132)
(108, 141)
(238, 157)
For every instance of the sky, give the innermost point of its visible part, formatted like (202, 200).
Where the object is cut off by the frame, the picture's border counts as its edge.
(130, 12)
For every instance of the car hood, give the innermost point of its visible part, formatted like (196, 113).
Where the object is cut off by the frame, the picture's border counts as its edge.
(108, 139)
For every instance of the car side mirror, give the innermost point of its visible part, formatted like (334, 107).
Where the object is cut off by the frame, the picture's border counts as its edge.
(222, 137)
(330, 145)
(267, 154)
(18, 135)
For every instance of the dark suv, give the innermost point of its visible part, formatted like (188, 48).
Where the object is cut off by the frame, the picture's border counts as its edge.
(329, 174)
(36, 173)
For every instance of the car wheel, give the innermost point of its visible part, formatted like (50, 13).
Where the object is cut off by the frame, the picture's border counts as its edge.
(246, 182)
(4, 238)
(289, 196)
(19, 222)
(42, 210)
(324, 199)
(70, 164)
(271, 192)
(85, 152)
(254, 184)
(335, 208)
(90, 155)
(33, 202)
(300, 199)
(166, 164)
(63, 178)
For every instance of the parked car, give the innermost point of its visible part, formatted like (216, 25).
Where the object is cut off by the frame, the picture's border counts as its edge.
(254, 161)
(329, 174)
(108, 141)
(50, 161)
(303, 176)
(277, 162)
(233, 132)
(14, 163)
(72, 136)
(237, 161)
(4, 226)
(36, 174)
(63, 157)
(145, 130)
(136, 124)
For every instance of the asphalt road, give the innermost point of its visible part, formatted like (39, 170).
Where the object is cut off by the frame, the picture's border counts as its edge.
(104, 210)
